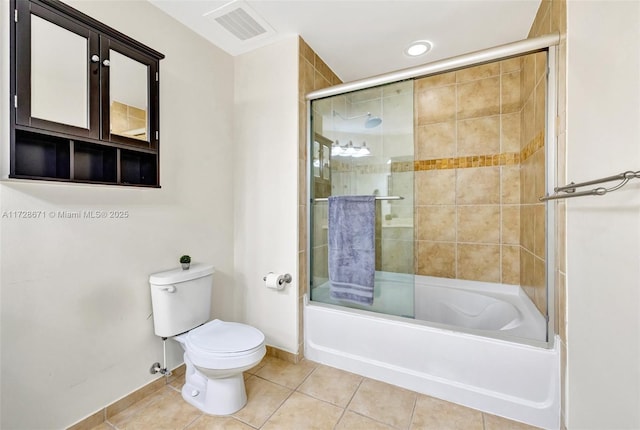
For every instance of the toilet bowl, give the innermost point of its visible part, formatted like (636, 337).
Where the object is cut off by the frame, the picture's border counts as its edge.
(216, 354)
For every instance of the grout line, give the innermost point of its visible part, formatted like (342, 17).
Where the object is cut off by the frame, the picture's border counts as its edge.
(413, 410)
(193, 421)
(344, 411)
(277, 409)
(346, 407)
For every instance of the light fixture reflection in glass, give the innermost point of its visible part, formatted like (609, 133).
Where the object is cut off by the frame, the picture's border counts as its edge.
(349, 150)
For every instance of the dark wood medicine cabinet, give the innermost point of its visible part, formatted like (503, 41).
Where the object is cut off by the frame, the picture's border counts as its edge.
(84, 99)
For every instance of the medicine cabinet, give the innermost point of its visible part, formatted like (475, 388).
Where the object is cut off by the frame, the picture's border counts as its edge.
(84, 97)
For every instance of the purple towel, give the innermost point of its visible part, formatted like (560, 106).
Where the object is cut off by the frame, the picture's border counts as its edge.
(352, 255)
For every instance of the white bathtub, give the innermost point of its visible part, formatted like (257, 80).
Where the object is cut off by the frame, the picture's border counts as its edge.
(471, 365)
(496, 310)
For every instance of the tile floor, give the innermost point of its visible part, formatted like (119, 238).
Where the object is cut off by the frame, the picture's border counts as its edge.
(306, 396)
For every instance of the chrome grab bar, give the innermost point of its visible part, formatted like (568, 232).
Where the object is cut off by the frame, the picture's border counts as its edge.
(571, 189)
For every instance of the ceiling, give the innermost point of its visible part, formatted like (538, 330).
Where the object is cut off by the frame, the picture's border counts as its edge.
(363, 38)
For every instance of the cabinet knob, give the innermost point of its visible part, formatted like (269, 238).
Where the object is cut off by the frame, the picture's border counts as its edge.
(106, 63)
(95, 58)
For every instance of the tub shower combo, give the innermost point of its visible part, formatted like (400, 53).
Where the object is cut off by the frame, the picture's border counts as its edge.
(431, 257)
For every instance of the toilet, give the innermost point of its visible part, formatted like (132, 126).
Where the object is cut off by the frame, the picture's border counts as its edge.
(215, 352)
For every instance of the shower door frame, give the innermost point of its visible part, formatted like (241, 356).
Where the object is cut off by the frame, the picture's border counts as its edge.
(547, 43)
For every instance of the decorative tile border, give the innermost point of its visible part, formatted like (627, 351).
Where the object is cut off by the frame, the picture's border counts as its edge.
(363, 169)
(534, 145)
(504, 159)
(490, 160)
(402, 166)
(487, 160)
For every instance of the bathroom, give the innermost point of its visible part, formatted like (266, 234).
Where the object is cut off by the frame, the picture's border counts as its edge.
(76, 316)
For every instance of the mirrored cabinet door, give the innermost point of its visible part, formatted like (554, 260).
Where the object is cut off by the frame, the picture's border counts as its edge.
(129, 80)
(59, 79)
(128, 97)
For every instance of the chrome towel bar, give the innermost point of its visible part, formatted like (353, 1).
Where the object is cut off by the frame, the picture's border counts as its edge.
(326, 199)
(570, 190)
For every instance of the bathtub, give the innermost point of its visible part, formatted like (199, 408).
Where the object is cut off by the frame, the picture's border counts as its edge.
(456, 341)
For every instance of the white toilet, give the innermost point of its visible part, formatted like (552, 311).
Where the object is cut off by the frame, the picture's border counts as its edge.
(216, 353)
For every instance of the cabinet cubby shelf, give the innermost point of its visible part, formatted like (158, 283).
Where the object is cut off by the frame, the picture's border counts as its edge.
(40, 156)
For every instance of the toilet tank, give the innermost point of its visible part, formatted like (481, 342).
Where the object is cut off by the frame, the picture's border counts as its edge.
(181, 299)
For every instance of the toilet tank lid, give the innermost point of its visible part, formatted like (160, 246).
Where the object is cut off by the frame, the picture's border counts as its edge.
(174, 276)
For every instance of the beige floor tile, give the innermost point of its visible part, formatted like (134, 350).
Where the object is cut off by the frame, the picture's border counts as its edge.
(209, 422)
(167, 411)
(319, 403)
(263, 398)
(435, 414)
(384, 402)
(177, 382)
(303, 412)
(352, 421)
(103, 426)
(331, 385)
(140, 407)
(284, 373)
(492, 422)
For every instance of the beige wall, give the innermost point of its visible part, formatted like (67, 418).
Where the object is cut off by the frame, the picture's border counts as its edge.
(75, 328)
(264, 187)
(603, 233)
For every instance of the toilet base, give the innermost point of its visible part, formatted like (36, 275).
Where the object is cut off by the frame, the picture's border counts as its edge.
(214, 396)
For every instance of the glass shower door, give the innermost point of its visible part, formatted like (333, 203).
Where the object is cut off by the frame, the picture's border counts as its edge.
(362, 144)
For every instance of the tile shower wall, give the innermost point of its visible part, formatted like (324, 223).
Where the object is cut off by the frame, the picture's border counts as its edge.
(467, 173)
(532, 179)
(313, 74)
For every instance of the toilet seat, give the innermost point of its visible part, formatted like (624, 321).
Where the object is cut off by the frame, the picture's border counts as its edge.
(222, 345)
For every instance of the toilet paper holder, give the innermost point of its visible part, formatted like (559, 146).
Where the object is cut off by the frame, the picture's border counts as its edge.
(286, 278)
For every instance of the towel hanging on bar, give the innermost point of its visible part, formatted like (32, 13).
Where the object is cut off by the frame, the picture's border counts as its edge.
(352, 254)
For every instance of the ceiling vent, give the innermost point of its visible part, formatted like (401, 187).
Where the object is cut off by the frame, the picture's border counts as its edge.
(240, 20)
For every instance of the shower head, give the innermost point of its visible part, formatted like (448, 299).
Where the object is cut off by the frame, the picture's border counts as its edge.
(372, 121)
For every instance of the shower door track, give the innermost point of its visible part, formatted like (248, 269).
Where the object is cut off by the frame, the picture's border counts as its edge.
(471, 59)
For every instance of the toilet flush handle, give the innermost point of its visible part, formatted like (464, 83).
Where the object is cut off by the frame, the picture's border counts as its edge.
(169, 289)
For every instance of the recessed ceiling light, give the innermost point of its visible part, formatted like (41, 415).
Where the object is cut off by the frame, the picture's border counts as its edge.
(417, 48)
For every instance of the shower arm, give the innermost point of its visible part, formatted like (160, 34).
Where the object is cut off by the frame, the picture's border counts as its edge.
(338, 114)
